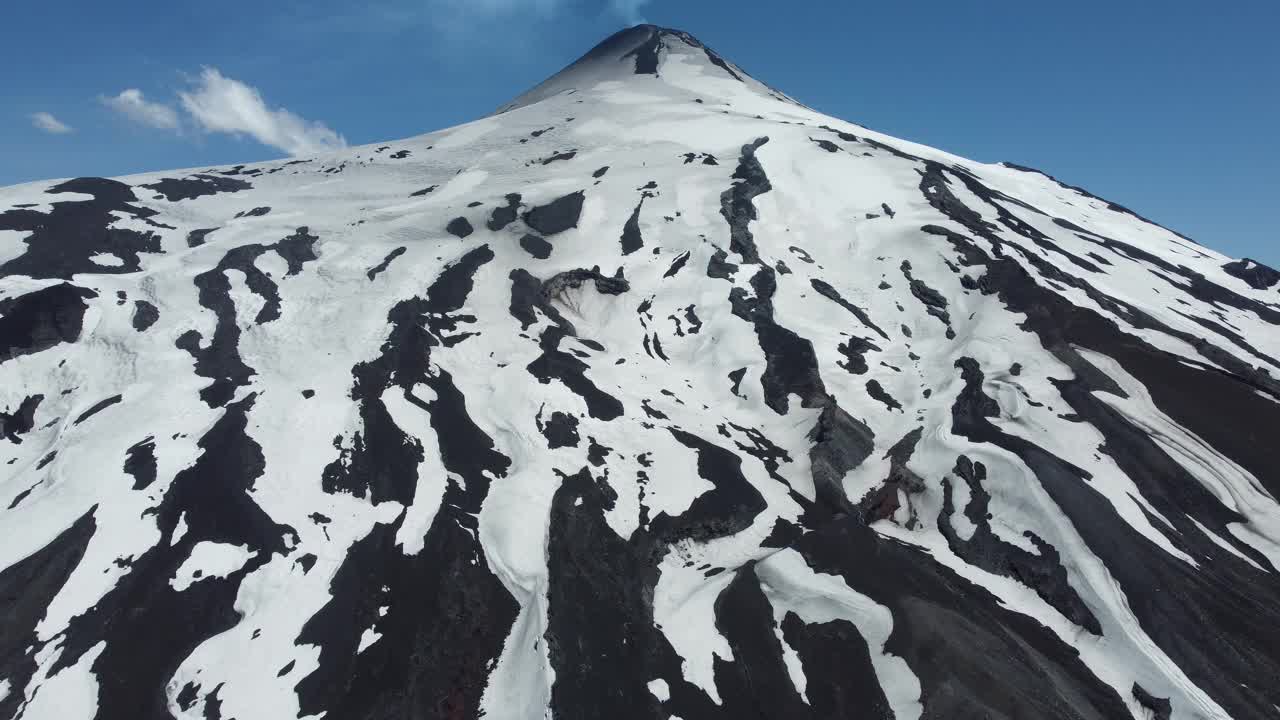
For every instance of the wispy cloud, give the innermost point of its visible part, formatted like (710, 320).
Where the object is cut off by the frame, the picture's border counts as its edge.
(629, 10)
(460, 26)
(219, 104)
(132, 104)
(50, 124)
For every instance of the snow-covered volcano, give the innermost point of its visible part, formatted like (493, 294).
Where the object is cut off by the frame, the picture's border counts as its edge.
(656, 394)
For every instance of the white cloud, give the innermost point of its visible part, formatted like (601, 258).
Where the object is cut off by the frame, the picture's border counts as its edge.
(50, 124)
(467, 26)
(137, 108)
(222, 104)
(629, 10)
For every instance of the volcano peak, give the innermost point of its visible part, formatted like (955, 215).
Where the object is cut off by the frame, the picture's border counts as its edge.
(638, 52)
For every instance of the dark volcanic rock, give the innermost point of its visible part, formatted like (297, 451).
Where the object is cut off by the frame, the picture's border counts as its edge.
(381, 267)
(64, 241)
(561, 430)
(631, 239)
(460, 227)
(536, 246)
(144, 315)
(196, 238)
(504, 216)
(189, 188)
(556, 216)
(26, 590)
(1257, 275)
(20, 420)
(39, 320)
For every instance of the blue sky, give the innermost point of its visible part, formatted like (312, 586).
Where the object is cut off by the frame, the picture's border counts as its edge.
(1172, 109)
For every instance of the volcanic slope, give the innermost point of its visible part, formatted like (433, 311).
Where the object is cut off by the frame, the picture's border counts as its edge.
(655, 394)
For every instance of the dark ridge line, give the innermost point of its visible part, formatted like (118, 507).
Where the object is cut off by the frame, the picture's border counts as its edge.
(933, 186)
(381, 267)
(1200, 287)
(676, 265)
(657, 349)
(934, 303)
(993, 198)
(939, 619)
(646, 53)
(736, 203)
(824, 289)
(27, 588)
(712, 56)
(825, 145)
(1217, 651)
(1114, 207)
(840, 441)
(97, 408)
(1042, 572)
(1215, 662)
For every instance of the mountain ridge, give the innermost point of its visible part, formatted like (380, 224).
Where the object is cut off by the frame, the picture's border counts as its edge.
(637, 50)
